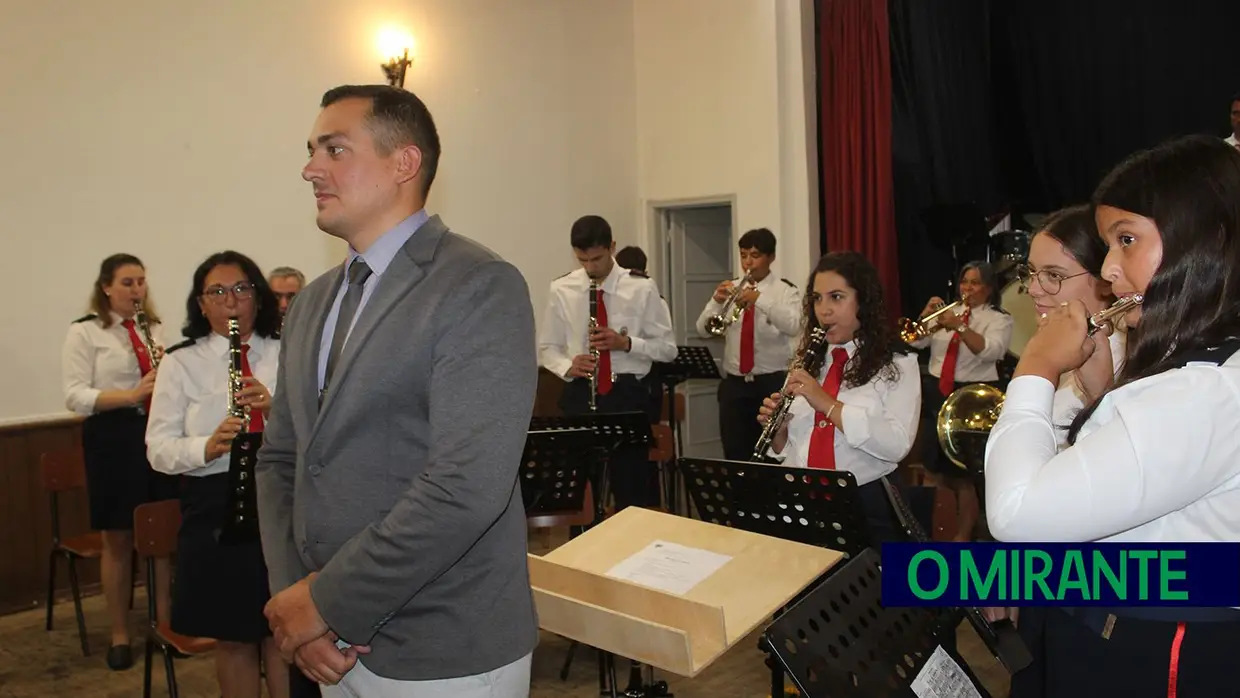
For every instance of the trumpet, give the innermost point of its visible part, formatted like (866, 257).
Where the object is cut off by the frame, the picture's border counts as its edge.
(594, 353)
(718, 325)
(144, 328)
(913, 330)
(811, 361)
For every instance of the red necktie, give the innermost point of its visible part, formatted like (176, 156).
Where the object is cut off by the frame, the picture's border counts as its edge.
(747, 340)
(822, 440)
(256, 416)
(144, 357)
(604, 356)
(947, 379)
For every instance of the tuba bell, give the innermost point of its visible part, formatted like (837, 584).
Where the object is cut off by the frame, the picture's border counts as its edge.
(964, 423)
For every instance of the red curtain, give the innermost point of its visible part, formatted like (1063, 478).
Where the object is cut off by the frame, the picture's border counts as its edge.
(854, 75)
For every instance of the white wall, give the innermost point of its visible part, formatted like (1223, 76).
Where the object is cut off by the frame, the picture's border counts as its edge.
(725, 106)
(173, 129)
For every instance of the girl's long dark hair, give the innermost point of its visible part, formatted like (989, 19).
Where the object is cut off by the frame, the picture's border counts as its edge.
(267, 308)
(875, 338)
(1190, 189)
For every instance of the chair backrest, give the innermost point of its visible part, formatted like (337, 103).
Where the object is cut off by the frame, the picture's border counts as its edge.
(155, 528)
(680, 408)
(662, 450)
(62, 470)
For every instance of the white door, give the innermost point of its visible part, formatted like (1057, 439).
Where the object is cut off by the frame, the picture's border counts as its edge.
(699, 254)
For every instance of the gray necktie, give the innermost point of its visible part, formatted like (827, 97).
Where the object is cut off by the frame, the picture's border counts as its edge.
(358, 273)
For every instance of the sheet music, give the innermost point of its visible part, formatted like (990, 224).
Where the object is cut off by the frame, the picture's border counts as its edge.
(942, 677)
(669, 567)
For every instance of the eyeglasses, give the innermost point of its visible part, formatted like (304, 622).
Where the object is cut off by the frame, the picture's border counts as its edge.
(242, 291)
(1051, 281)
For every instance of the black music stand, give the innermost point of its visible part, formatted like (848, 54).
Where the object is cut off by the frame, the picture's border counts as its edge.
(839, 639)
(814, 507)
(555, 467)
(241, 525)
(607, 431)
(691, 363)
(1001, 638)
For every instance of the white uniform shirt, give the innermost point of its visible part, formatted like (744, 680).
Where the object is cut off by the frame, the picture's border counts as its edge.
(1158, 461)
(633, 306)
(191, 399)
(880, 421)
(1068, 397)
(777, 326)
(94, 359)
(993, 325)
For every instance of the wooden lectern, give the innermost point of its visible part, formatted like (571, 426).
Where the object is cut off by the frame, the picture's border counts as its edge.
(679, 633)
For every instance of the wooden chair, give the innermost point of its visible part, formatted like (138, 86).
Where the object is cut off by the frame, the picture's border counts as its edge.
(64, 471)
(155, 527)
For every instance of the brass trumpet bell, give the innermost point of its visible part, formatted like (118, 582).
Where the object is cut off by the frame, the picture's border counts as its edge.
(964, 423)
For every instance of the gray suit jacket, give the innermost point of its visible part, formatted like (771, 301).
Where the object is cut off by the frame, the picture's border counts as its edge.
(401, 490)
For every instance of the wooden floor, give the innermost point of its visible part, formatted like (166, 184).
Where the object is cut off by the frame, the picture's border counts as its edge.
(37, 664)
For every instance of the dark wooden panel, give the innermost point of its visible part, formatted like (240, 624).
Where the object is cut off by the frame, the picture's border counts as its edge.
(25, 516)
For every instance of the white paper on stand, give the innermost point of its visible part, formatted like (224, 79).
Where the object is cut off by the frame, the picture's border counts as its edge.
(669, 567)
(942, 677)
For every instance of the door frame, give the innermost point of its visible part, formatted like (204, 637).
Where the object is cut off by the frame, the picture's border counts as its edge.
(659, 246)
(658, 240)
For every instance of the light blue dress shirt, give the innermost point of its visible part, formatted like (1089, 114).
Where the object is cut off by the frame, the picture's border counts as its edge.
(378, 258)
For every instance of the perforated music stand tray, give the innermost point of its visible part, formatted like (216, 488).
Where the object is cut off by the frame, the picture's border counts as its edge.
(815, 507)
(679, 633)
(840, 640)
(1002, 639)
(691, 363)
(613, 429)
(555, 467)
(241, 525)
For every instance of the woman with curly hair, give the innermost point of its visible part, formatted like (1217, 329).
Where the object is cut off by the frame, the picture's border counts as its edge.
(860, 413)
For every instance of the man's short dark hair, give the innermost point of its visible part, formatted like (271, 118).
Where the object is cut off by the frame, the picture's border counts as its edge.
(1234, 98)
(397, 119)
(632, 257)
(759, 239)
(590, 232)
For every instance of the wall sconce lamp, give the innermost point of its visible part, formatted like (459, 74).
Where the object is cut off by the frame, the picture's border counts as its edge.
(396, 47)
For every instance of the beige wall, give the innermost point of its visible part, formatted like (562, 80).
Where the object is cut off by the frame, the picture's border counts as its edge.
(172, 130)
(722, 110)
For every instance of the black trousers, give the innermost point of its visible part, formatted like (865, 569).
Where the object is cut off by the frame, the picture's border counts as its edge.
(1135, 661)
(634, 478)
(739, 401)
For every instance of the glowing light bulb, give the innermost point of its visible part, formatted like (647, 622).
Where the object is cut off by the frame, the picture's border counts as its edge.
(393, 43)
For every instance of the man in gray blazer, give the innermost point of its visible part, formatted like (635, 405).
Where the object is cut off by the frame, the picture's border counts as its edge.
(391, 516)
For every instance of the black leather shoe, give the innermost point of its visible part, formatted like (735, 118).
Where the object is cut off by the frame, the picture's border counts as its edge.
(120, 657)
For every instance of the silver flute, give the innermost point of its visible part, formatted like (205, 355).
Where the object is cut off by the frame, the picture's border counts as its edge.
(1116, 309)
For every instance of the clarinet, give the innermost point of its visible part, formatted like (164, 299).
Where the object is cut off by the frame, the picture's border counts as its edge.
(594, 354)
(144, 327)
(241, 522)
(811, 361)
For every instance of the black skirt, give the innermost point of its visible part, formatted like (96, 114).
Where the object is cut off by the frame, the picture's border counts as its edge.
(220, 590)
(118, 476)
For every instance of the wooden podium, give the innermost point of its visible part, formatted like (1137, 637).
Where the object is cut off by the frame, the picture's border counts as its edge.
(679, 633)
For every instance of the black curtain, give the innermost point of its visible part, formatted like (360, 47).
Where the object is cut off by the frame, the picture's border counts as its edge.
(943, 137)
(1087, 83)
(1022, 106)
